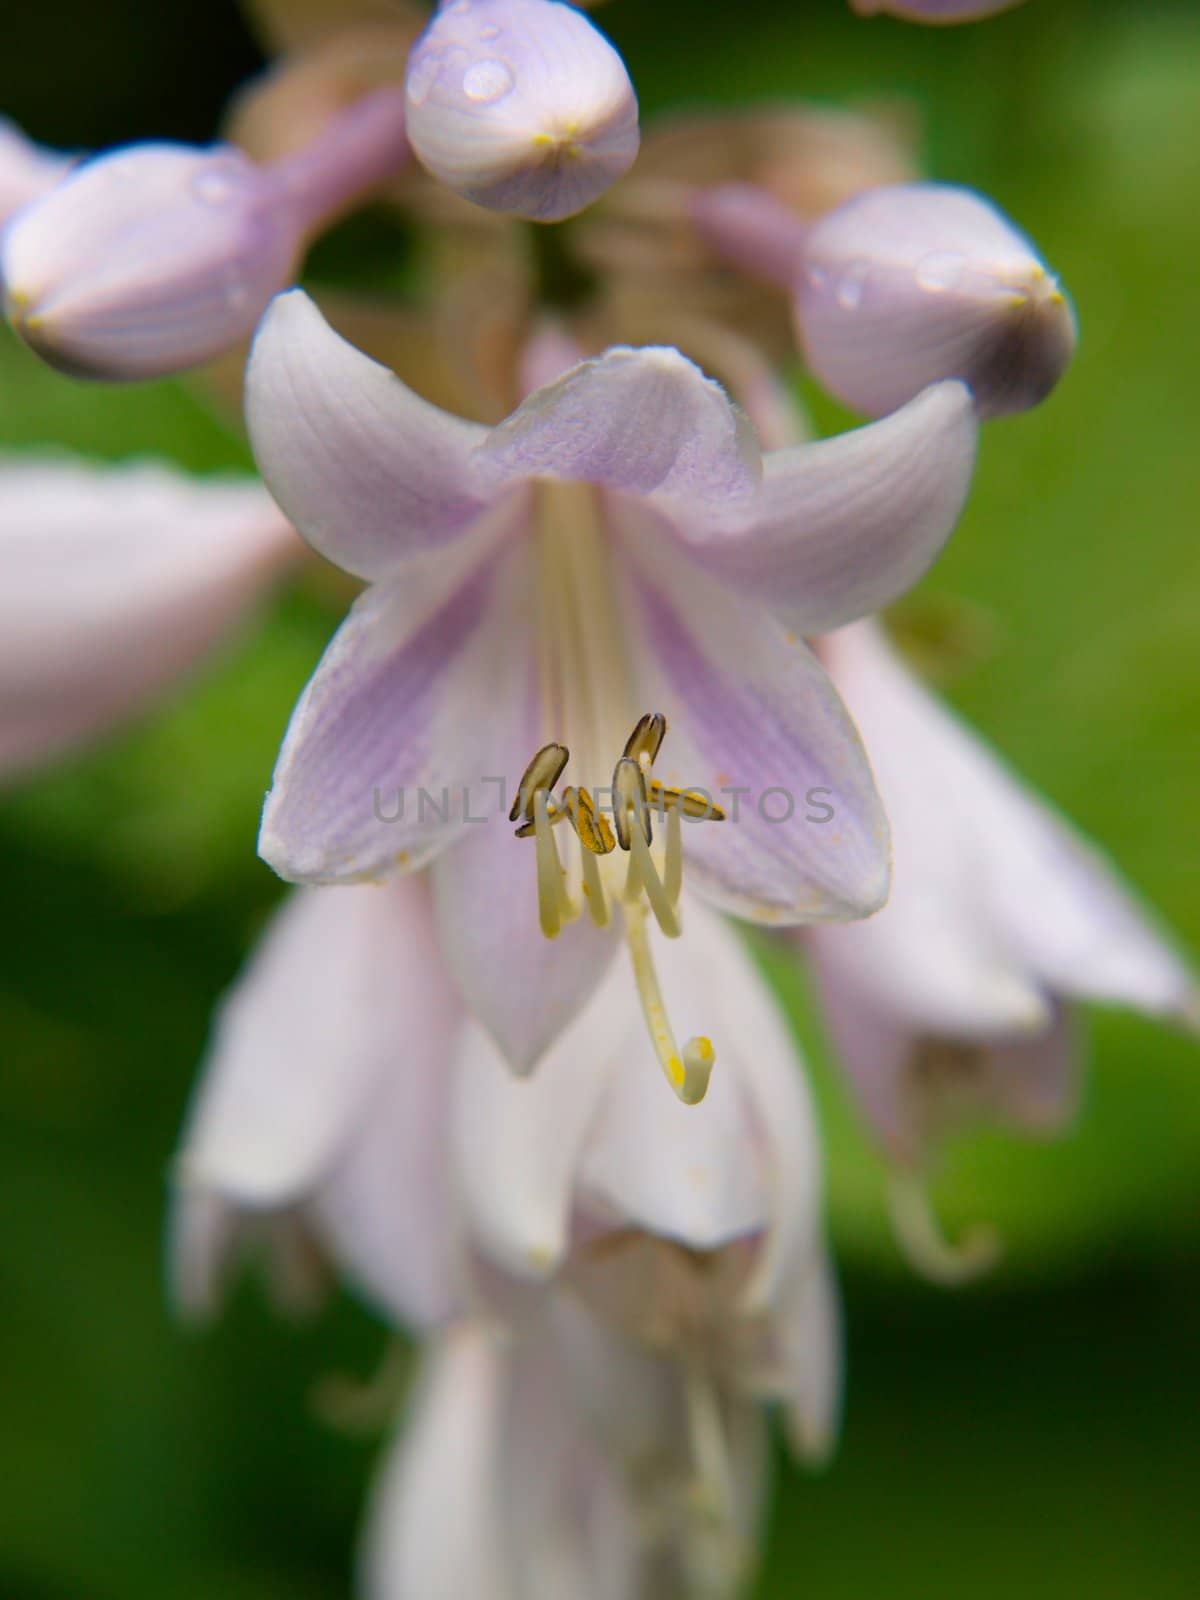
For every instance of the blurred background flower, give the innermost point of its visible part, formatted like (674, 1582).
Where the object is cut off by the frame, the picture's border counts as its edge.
(1024, 1436)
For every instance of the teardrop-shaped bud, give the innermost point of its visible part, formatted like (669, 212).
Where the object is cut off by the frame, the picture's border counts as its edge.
(933, 10)
(903, 286)
(521, 106)
(149, 260)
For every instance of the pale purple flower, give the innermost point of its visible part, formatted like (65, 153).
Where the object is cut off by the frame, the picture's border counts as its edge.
(113, 582)
(908, 284)
(522, 106)
(617, 547)
(954, 1003)
(659, 1270)
(320, 1115)
(934, 10)
(551, 1495)
(158, 257)
(346, 1088)
(27, 170)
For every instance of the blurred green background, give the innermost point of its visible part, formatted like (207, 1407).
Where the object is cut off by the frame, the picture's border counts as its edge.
(1036, 1435)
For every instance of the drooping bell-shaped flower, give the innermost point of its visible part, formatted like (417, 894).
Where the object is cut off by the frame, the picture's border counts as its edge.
(551, 596)
(660, 1268)
(158, 257)
(906, 285)
(521, 106)
(933, 10)
(320, 1114)
(113, 582)
(660, 1491)
(953, 1004)
(26, 170)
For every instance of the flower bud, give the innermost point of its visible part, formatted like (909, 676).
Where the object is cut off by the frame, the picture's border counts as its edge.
(149, 260)
(161, 256)
(906, 285)
(933, 10)
(26, 170)
(520, 105)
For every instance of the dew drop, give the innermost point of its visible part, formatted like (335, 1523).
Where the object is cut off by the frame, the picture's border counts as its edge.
(940, 271)
(850, 285)
(421, 78)
(487, 81)
(213, 188)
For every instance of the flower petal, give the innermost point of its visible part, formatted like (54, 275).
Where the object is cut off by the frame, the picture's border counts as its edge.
(756, 723)
(1062, 904)
(113, 582)
(343, 986)
(991, 886)
(445, 1472)
(646, 421)
(384, 1209)
(522, 988)
(387, 755)
(810, 1328)
(705, 1175)
(516, 1142)
(845, 526)
(369, 473)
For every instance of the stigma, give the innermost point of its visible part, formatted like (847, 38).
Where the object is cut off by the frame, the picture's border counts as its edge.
(631, 866)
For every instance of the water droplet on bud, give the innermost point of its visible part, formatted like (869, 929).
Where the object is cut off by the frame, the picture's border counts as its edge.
(851, 285)
(487, 82)
(214, 188)
(940, 271)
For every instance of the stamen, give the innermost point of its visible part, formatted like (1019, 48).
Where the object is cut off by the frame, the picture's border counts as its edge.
(646, 739)
(554, 907)
(556, 814)
(629, 794)
(592, 828)
(716, 1494)
(923, 1244)
(687, 1073)
(594, 893)
(644, 874)
(694, 804)
(673, 862)
(543, 772)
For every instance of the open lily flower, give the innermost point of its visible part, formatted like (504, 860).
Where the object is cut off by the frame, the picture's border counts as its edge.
(617, 547)
(113, 582)
(953, 1003)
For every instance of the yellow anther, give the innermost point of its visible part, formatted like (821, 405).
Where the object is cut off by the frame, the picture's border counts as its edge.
(701, 807)
(646, 739)
(542, 773)
(592, 828)
(629, 794)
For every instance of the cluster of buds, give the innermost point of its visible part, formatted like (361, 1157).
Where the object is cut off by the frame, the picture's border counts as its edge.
(431, 1075)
